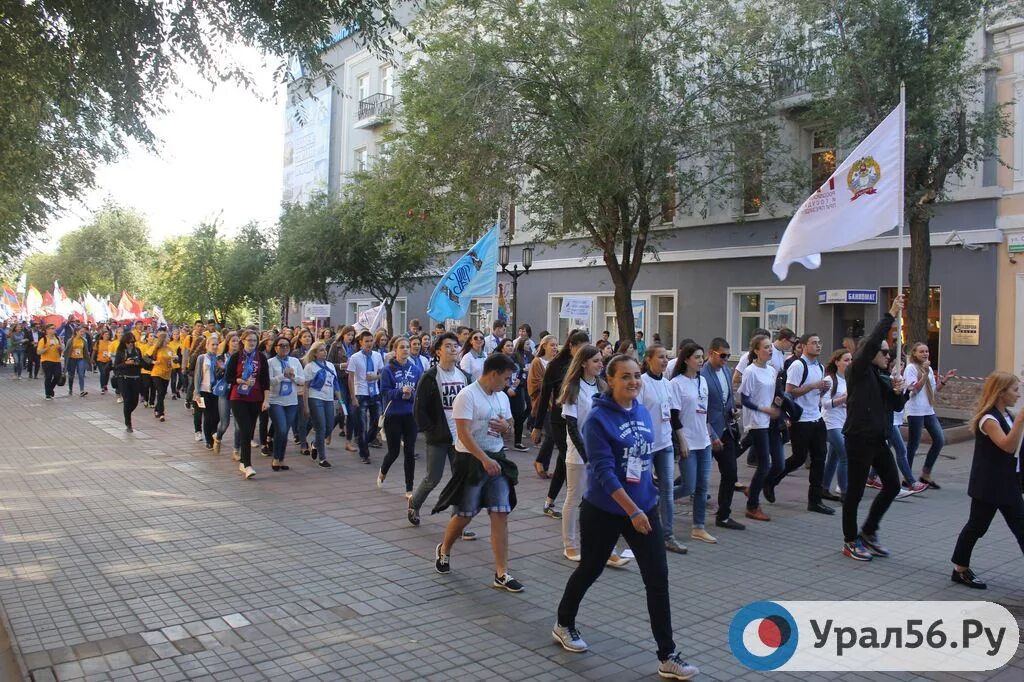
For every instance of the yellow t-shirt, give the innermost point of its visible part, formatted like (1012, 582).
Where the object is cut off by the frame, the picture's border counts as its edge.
(49, 349)
(105, 350)
(137, 333)
(146, 349)
(112, 348)
(77, 348)
(163, 360)
(186, 342)
(174, 346)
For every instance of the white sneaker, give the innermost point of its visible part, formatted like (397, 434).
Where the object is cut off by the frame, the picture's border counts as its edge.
(675, 668)
(249, 472)
(904, 493)
(120, 399)
(569, 638)
(199, 436)
(380, 480)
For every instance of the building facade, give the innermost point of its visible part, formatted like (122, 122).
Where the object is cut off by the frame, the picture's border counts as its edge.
(712, 276)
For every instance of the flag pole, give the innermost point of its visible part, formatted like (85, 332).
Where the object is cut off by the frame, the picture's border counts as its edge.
(901, 219)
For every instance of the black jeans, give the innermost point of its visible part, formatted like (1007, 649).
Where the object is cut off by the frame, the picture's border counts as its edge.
(599, 531)
(176, 382)
(145, 388)
(518, 405)
(808, 438)
(246, 413)
(559, 433)
(400, 429)
(726, 458)
(211, 416)
(129, 387)
(861, 455)
(159, 394)
(981, 516)
(766, 444)
(51, 375)
(547, 444)
(104, 368)
(32, 363)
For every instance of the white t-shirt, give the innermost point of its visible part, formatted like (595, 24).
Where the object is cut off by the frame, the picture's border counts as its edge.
(491, 342)
(358, 366)
(671, 369)
(810, 401)
(279, 383)
(472, 365)
(692, 397)
(450, 383)
(659, 399)
(476, 405)
(835, 416)
(579, 411)
(326, 392)
(897, 418)
(918, 405)
(758, 384)
(723, 382)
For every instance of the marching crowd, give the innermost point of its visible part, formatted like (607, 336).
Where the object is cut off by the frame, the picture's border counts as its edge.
(625, 430)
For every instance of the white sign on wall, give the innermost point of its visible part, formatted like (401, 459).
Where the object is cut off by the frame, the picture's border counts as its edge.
(307, 147)
(576, 308)
(311, 310)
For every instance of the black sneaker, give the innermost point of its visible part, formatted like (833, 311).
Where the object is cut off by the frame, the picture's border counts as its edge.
(442, 563)
(265, 451)
(549, 510)
(520, 447)
(874, 546)
(364, 460)
(769, 492)
(313, 454)
(969, 579)
(827, 494)
(820, 508)
(507, 583)
(729, 523)
(324, 464)
(414, 516)
(468, 536)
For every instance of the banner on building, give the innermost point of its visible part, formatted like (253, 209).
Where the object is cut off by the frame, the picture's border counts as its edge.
(576, 308)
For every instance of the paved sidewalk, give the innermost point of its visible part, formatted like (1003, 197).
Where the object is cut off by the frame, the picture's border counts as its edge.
(147, 557)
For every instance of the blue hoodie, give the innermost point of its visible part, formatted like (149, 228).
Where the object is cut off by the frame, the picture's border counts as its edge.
(610, 434)
(391, 380)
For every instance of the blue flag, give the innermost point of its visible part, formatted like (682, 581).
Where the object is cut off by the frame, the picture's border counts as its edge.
(474, 274)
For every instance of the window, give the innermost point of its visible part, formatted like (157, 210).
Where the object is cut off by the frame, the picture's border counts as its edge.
(610, 320)
(751, 153)
(362, 159)
(664, 321)
(387, 79)
(355, 308)
(823, 157)
(362, 87)
(771, 308)
(481, 314)
(934, 317)
(384, 150)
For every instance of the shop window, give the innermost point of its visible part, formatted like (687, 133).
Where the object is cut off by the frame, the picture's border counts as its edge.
(934, 319)
(771, 309)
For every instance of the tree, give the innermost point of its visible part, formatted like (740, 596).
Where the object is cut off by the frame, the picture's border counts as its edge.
(602, 118)
(861, 52)
(80, 80)
(109, 254)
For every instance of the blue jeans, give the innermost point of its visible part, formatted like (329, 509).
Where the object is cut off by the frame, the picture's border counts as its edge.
(835, 463)
(19, 361)
(665, 469)
(224, 405)
(104, 368)
(696, 481)
(366, 426)
(76, 367)
(771, 461)
(282, 417)
(915, 426)
(897, 444)
(321, 413)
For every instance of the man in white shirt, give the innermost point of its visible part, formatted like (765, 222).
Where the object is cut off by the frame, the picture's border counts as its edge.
(364, 370)
(482, 472)
(494, 339)
(805, 382)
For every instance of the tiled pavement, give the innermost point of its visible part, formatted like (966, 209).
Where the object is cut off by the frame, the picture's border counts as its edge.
(146, 557)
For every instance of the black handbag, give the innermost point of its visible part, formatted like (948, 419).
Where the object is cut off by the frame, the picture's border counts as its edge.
(63, 380)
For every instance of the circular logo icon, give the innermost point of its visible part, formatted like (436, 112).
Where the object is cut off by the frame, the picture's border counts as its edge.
(763, 636)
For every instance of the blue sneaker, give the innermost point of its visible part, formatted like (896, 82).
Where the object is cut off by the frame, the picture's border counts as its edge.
(873, 545)
(856, 550)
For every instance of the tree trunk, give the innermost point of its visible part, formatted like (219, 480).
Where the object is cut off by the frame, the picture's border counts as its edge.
(388, 305)
(920, 271)
(623, 284)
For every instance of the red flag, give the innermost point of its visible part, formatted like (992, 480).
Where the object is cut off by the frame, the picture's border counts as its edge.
(138, 306)
(47, 299)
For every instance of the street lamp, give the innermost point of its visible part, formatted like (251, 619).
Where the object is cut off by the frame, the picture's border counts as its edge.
(515, 273)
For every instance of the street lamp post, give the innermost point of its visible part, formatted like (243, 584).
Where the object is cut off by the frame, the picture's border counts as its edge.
(515, 273)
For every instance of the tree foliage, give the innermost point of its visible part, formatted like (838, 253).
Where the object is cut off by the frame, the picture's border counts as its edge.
(81, 79)
(108, 254)
(599, 117)
(858, 54)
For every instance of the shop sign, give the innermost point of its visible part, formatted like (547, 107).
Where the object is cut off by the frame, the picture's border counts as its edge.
(863, 296)
(964, 330)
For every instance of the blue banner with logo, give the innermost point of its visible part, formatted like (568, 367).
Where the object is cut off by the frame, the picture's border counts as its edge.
(474, 274)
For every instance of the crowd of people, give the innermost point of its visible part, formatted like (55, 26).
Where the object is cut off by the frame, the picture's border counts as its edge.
(625, 429)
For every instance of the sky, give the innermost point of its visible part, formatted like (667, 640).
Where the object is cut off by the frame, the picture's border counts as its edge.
(220, 154)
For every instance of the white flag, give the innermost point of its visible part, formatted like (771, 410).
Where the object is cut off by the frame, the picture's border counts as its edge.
(859, 201)
(371, 320)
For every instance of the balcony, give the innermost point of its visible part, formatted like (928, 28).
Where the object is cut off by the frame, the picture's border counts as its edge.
(374, 111)
(790, 76)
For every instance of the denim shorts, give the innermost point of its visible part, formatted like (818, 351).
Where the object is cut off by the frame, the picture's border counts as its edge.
(490, 493)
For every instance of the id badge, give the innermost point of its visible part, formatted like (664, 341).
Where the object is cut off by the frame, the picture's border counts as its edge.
(666, 412)
(634, 468)
(286, 388)
(244, 389)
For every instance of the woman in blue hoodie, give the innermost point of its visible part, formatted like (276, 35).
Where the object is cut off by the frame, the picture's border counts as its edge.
(398, 388)
(621, 499)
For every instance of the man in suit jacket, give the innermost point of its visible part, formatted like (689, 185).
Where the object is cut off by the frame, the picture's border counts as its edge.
(721, 420)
